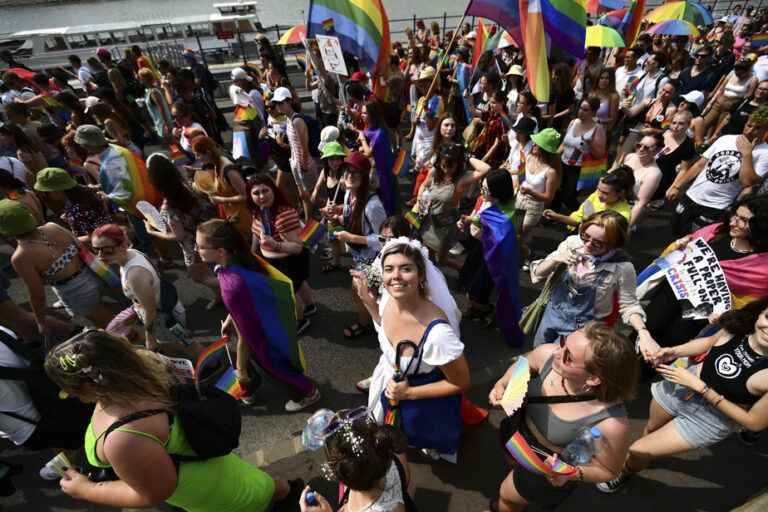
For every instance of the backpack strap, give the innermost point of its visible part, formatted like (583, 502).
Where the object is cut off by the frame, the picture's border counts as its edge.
(560, 399)
(16, 346)
(420, 350)
(133, 417)
(19, 417)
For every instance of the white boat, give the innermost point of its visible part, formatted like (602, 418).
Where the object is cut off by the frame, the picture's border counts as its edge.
(166, 38)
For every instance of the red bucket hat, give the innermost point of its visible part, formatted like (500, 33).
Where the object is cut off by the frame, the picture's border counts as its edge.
(359, 161)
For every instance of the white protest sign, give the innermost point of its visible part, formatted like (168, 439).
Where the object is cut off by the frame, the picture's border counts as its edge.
(698, 281)
(330, 51)
(181, 367)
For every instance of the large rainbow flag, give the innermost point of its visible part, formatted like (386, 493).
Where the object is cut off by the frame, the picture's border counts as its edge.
(591, 171)
(480, 42)
(140, 183)
(630, 25)
(263, 307)
(565, 22)
(362, 27)
(747, 277)
(500, 251)
(522, 452)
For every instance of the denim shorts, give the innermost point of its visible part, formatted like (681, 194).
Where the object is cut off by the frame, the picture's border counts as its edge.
(699, 423)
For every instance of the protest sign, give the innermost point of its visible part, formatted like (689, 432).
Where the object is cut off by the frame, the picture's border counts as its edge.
(330, 51)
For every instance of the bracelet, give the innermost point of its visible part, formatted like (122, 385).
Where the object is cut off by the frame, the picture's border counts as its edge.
(704, 390)
(719, 399)
(581, 473)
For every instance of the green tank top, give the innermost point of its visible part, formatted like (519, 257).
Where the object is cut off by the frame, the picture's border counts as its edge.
(212, 485)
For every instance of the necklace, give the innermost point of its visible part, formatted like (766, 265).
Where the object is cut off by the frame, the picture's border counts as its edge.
(562, 383)
(740, 251)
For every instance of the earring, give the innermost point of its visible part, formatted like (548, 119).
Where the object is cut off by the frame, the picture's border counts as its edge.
(422, 285)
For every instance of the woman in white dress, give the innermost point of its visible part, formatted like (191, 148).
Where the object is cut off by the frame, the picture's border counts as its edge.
(415, 305)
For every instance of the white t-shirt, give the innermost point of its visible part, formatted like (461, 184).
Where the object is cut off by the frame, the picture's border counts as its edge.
(239, 97)
(184, 141)
(84, 75)
(623, 77)
(760, 69)
(718, 184)
(15, 398)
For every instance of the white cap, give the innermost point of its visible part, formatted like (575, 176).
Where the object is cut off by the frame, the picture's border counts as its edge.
(695, 97)
(90, 101)
(281, 94)
(240, 74)
(471, 35)
(724, 19)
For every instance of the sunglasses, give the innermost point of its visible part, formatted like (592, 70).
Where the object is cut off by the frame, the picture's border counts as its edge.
(597, 244)
(567, 356)
(104, 250)
(638, 147)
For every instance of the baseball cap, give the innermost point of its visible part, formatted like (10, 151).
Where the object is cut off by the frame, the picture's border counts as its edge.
(54, 179)
(15, 218)
(281, 94)
(695, 97)
(90, 101)
(358, 76)
(90, 135)
(240, 74)
(525, 125)
(471, 35)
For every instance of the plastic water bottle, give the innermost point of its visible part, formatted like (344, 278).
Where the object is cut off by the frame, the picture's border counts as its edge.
(581, 450)
(313, 437)
(311, 499)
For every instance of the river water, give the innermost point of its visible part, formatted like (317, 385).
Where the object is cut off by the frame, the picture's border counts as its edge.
(270, 12)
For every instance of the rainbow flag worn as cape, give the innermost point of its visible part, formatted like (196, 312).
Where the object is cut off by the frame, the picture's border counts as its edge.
(522, 452)
(384, 158)
(229, 384)
(760, 40)
(142, 188)
(500, 250)
(312, 233)
(591, 170)
(99, 268)
(747, 277)
(263, 307)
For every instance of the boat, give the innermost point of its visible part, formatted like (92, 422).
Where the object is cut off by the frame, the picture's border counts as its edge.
(213, 35)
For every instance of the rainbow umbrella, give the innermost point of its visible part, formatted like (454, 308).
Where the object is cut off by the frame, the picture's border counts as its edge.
(674, 28)
(293, 35)
(692, 12)
(612, 18)
(603, 37)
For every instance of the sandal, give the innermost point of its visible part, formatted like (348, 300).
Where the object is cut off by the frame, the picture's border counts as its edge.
(355, 330)
(330, 267)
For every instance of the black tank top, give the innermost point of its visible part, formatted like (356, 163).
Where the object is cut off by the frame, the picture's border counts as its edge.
(728, 367)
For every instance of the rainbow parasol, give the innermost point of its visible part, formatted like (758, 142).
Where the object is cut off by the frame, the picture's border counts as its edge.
(517, 387)
(692, 12)
(293, 35)
(674, 28)
(603, 37)
(613, 18)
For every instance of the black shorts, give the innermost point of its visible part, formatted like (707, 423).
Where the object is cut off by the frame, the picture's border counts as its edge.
(295, 266)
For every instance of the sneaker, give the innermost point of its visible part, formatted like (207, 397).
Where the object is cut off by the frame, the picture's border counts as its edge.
(57, 305)
(749, 438)
(364, 385)
(310, 310)
(614, 485)
(292, 406)
(457, 250)
(302, 326)
(47, 473)
(526, 266)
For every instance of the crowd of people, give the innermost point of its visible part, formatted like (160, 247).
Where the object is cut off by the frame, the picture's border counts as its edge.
(123, 167)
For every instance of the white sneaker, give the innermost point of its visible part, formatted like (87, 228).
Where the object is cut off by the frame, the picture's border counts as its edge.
(47, 473)
(305, 402)
(457, 250)
(364, 385)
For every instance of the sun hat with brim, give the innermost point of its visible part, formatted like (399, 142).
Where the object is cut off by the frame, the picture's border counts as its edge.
(547, 139)
(333, 148)
(428, 73)
(54, 179)
(15, 218)
(90, 135)
(514, 70)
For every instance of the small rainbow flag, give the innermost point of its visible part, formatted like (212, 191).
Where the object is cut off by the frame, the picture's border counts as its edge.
(211, 355)
(591, 171)
(413, 219)
(178, 157)
(229, 384)
(328, 25)
(522, 452)
(312, 233)
(760, 40)
(402, 162)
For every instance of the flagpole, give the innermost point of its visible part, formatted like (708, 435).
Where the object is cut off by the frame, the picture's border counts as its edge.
(437, 74)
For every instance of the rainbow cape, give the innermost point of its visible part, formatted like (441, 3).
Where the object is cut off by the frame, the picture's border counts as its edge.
(142, 187)
(384, 158)
(747, 277)
(229, 384)
(760, 40)
(263, 307)
(312, 233)
(500, 251)
(61, 114)
(402, 162)
(522, 452)
(591, 170)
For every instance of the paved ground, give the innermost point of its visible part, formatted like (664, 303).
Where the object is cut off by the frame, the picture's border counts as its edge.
(711, 480)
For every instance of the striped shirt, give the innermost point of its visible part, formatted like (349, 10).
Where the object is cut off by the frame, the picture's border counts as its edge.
(286, 220)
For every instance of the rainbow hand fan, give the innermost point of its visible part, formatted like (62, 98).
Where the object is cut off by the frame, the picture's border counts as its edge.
(513, 396)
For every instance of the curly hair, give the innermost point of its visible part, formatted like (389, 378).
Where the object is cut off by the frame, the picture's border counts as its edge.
(759, 118)
(741, 322)
(758, 224)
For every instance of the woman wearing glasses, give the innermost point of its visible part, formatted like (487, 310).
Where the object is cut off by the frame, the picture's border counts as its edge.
(646, 172)
(146, 319)
(48, 254)
(589, 269)
(124, 380)
(596, 371)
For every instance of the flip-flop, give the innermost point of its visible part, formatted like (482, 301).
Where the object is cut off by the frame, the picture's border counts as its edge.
(356, 330)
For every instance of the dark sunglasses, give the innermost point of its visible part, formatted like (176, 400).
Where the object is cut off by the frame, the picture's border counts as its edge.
(105, 250)
(567, 356)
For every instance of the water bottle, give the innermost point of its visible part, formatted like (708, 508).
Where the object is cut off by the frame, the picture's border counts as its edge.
(581, 450)
(313, 435)
(311, 499)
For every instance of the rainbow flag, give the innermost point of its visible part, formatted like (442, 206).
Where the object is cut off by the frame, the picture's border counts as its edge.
(591, 170)
(229, 384)
(61, 114)
(522, 452)
(535, 48)
(244, 114)
(630, 25)
(565, 22)
(328, 25)
(480, 41)
(312, 233)
(504, 12)
(142, 187)
(402, 162)
(212, 354)
(99, 268)
(760, 40)
(413, 219)
(263, 307)
(362, 27)
(178, 157)
(500, 251)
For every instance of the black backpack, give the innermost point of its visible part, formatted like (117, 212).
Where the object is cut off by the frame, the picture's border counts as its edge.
(313, 132)
(209, 417)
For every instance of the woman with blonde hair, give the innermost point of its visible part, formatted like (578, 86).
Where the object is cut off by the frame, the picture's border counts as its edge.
(136, 430)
